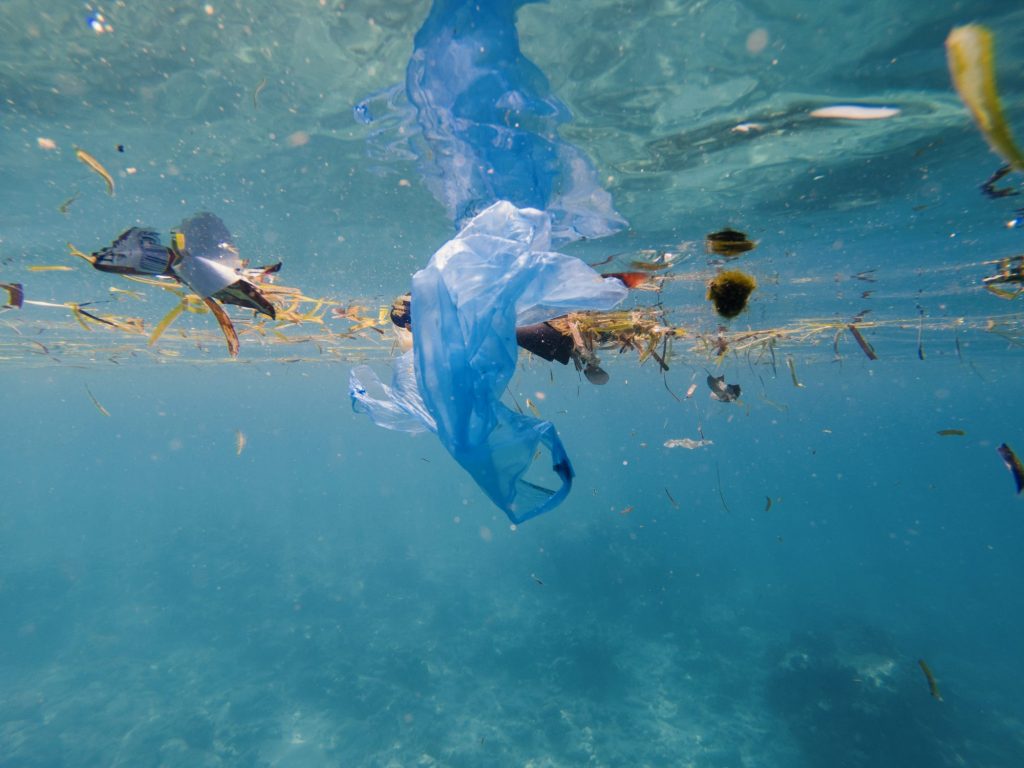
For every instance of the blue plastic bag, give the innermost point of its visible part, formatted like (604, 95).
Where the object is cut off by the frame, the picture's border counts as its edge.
(497, 273)
(488, 147)
(485, 125)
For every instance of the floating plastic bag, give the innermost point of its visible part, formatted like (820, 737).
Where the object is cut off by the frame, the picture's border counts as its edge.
(401, 408)
(490, 123)
(487, 141)
(486, 124)
(497, 273)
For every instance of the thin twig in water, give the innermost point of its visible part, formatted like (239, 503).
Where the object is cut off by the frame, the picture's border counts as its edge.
(862, 342)
(721, 495)
(664, 379)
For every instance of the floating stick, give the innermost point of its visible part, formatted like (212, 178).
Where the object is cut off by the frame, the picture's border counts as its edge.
(96, 402)
(862, 342)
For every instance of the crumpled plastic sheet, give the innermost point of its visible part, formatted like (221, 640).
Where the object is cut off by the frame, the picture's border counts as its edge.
(212, 263)
(497, 273)
(488, 123)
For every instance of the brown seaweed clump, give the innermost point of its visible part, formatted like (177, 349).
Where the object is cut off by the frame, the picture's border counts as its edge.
(729, 291)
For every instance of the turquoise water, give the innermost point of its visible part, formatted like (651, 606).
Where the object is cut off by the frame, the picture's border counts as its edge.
(337, 594)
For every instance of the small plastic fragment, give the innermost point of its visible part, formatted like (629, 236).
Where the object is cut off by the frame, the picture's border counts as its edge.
(15, 295)
(721, 391)
(208, 262)
(855, 112)
(688, 443)
(1011, 272)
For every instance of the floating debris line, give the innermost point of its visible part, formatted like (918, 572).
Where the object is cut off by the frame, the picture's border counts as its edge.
(317, 329)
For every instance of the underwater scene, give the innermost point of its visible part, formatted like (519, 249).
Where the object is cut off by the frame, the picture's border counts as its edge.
(452, 383)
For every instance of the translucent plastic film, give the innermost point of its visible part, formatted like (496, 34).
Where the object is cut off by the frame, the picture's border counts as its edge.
(212, 262)
(490, 123)
(497, 273)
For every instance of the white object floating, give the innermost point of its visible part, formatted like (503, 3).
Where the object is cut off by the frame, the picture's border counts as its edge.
(687, 443)
(855, 112)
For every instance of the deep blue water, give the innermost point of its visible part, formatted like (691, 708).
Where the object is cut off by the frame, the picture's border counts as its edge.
(338, 594)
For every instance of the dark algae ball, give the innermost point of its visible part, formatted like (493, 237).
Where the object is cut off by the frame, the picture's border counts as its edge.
(729, 291)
